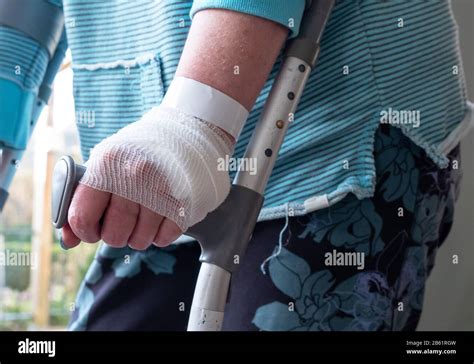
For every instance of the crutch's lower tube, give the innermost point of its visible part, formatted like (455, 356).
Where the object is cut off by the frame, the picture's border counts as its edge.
(210, 295)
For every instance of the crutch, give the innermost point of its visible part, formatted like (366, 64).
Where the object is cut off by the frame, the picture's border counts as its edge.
(43, 23)
(226, 231)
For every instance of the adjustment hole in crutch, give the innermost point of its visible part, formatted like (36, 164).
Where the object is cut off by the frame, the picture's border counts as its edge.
(291, 95)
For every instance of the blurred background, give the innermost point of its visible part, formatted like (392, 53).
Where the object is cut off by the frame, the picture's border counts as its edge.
(449, 298)
(41, 295)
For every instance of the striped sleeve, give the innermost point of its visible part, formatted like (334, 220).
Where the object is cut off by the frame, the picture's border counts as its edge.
(284, 12)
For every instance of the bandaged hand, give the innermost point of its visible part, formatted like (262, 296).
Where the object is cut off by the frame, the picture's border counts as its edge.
(158, 176)
(150, 181)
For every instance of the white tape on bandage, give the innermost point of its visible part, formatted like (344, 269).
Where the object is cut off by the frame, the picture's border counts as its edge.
(207, 103)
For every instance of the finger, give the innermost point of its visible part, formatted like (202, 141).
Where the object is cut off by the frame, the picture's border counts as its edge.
(68, 239)
(167, 233)
(145, 230)
(119, 221)
(85, 212)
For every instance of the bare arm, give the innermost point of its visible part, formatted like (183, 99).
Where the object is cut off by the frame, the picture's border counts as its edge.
(221, 40)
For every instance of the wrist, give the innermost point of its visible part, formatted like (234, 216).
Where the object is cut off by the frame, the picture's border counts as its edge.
(207, 103)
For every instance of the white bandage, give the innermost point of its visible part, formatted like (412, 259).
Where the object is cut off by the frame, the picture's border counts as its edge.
(207, 103)
(168, 162)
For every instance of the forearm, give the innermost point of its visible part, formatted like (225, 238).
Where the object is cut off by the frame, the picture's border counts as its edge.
(231, 52)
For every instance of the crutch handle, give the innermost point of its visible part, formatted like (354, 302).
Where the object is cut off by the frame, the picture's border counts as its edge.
(66, 176)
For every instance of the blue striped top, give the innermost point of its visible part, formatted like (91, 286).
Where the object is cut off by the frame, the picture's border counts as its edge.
(375, 56)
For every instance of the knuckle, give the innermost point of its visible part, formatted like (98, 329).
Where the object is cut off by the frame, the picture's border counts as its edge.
(166, 236)
(109, 154)
(77, 222)
(112, 155)
(113, 240)
(120, 214)
(142, 168)
(82, 227)
(116, 213)
(139, 243)
(137, 170)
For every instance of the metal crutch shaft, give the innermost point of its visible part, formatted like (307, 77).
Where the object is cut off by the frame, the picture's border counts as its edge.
(225, 232)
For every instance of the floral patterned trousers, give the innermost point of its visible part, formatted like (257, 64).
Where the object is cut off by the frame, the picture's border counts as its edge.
(311, 282)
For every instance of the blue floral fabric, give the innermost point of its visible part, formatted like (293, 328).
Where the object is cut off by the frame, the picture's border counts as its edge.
(397, 232)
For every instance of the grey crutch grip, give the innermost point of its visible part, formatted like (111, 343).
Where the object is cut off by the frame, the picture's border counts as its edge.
(226, 231)
(66, 176)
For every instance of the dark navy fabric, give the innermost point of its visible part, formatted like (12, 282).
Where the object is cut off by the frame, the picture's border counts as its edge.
(399, 231)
